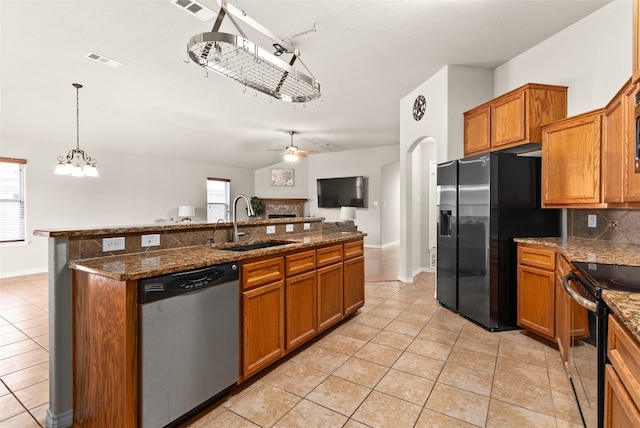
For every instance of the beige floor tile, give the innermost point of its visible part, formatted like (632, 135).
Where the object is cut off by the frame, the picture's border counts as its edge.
(340, 343)
(362, 372)
(521, 371)
(34, 395)
(339, 395)
(414, 318)
(10, 407)
(34, 322)
(379, 354)
(534, 356)
(474, 360)
(478, 342)
(384, 312)
(22, 420)
(40, 413)
(308, 414)
(419, 365)
(431, 349)
(22, 361)
(265, 405)
(224, 418)
(38, 330)
(431, 419)
(457, 403)
(296, 378)
(559, 381)
(530, 396)
(403, 327)
(382, 410)
(405, 386)
(467, 379)
(359, 331)
(3, 389)
(503, 414)
(522, 338)
(373, 319)
(446, 337)
(27, 377)
(393, 340)
(22, 313)
(8, 328)
(323, 359)
(17, 348)
(42, 341)
(566, 407)
(354, 424)
(9, 338)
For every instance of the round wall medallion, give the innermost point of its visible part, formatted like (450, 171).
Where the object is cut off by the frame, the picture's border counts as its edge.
(419, 106)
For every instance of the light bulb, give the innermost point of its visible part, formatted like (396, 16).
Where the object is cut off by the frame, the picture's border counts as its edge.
(77, 171)
(60, 169)
(290, 157)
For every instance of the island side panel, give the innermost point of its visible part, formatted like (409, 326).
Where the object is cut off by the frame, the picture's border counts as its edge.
(105, 351)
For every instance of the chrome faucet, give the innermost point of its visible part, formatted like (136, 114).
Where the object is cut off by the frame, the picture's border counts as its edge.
(235, 219)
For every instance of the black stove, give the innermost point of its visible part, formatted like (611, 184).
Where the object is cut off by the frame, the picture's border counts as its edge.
(610, 277)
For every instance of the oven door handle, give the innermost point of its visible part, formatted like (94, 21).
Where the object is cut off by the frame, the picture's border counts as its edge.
(582, 301)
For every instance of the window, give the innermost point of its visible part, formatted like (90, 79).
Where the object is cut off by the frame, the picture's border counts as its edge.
(12, 201)
(217, 199)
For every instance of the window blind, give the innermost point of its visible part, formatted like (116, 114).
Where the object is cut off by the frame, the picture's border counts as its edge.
(217, 199)
(12, 199)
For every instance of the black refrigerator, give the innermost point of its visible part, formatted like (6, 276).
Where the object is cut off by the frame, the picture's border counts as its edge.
(497, 198)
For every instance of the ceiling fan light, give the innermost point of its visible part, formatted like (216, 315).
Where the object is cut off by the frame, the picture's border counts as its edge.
(290, 157)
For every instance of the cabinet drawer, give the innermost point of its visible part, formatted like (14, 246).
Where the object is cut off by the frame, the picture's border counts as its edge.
(329, 255)
(619, 409)
(353, 249)
(536, 256)
(623, 350)
(300, 262)
(262, 272)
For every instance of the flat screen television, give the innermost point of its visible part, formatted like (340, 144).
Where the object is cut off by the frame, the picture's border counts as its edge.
(341, 192)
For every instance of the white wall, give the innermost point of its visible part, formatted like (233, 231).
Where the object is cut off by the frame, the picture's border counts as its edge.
(592, 57)
(390, 204)
(129, 191)
(366, 162)
(264, 189)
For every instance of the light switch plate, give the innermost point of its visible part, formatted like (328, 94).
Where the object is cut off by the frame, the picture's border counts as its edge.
(307, 226)
(289, 228)
(591, 220)
(113, 244)
(150, 240)
(271, 229)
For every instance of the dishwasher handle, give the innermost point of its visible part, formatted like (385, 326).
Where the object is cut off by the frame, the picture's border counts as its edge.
(581, 300)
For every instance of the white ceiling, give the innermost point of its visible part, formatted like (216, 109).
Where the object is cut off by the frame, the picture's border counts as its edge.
(367, 55)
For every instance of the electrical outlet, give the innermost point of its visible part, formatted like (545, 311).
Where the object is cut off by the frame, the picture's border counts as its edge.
(271, 229)
(307, 226)
(150, 240)
(592, 221)
(112, 244)
(613, 224)
(289, 228)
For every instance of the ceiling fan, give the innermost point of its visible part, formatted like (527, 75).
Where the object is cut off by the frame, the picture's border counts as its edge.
(292, 153)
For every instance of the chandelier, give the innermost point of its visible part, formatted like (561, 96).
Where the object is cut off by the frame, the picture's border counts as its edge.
(240, 59)
(78, 163)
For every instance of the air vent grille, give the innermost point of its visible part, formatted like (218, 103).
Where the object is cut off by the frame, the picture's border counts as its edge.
(194, 8)
(103, 59)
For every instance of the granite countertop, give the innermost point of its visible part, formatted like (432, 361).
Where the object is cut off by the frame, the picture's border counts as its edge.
(625, 305)
(148, 264)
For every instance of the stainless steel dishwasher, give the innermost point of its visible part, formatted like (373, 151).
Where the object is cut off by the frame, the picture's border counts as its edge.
(188, 341)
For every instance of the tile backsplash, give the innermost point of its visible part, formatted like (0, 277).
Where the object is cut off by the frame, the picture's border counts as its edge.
(615, 225)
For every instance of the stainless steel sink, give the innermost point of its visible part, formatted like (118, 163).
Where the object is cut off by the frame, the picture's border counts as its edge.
(256, 246)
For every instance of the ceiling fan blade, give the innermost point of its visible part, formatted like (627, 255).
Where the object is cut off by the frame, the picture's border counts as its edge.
(308, 152)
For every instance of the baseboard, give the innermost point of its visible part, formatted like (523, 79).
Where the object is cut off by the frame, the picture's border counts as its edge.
(379, 247)
(61, 420)
(21, 273)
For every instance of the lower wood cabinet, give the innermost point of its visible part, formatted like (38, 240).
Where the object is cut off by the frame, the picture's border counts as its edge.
(353, 285)
(262, 326)
(330, 295)
(301, 318)
(537, 290)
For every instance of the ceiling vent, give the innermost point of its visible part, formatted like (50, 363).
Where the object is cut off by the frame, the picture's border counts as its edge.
(194, 8)
(103, 59)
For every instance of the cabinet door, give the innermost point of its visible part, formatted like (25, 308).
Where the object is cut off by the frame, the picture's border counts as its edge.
(301, 309)
(613, 146)
(476, 131)
(508, 120)
(536, 301)
(632, 174)
(330, 295)
(353, 285)
(619, 409)
(262, 326)
(571, 162)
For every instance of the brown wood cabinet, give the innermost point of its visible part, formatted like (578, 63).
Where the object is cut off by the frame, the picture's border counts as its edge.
(300, 298)
(263, 311)
(630, 164)
(514, 118)
(622, 386)
(330, 295)
(353, 276)
(537, 290)
(571, 166)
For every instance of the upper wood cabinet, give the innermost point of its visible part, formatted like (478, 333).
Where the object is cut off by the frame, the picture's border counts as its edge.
(514, 118)
(571, 173)
(632, 171)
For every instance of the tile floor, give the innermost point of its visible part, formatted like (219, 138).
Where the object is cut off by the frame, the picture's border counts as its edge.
(401, 361)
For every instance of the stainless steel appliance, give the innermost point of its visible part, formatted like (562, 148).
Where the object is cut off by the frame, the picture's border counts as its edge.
(188, 341)
(498, 199)
(588, 351)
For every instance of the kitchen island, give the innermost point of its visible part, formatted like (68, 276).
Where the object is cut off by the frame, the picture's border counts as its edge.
(288, 294)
